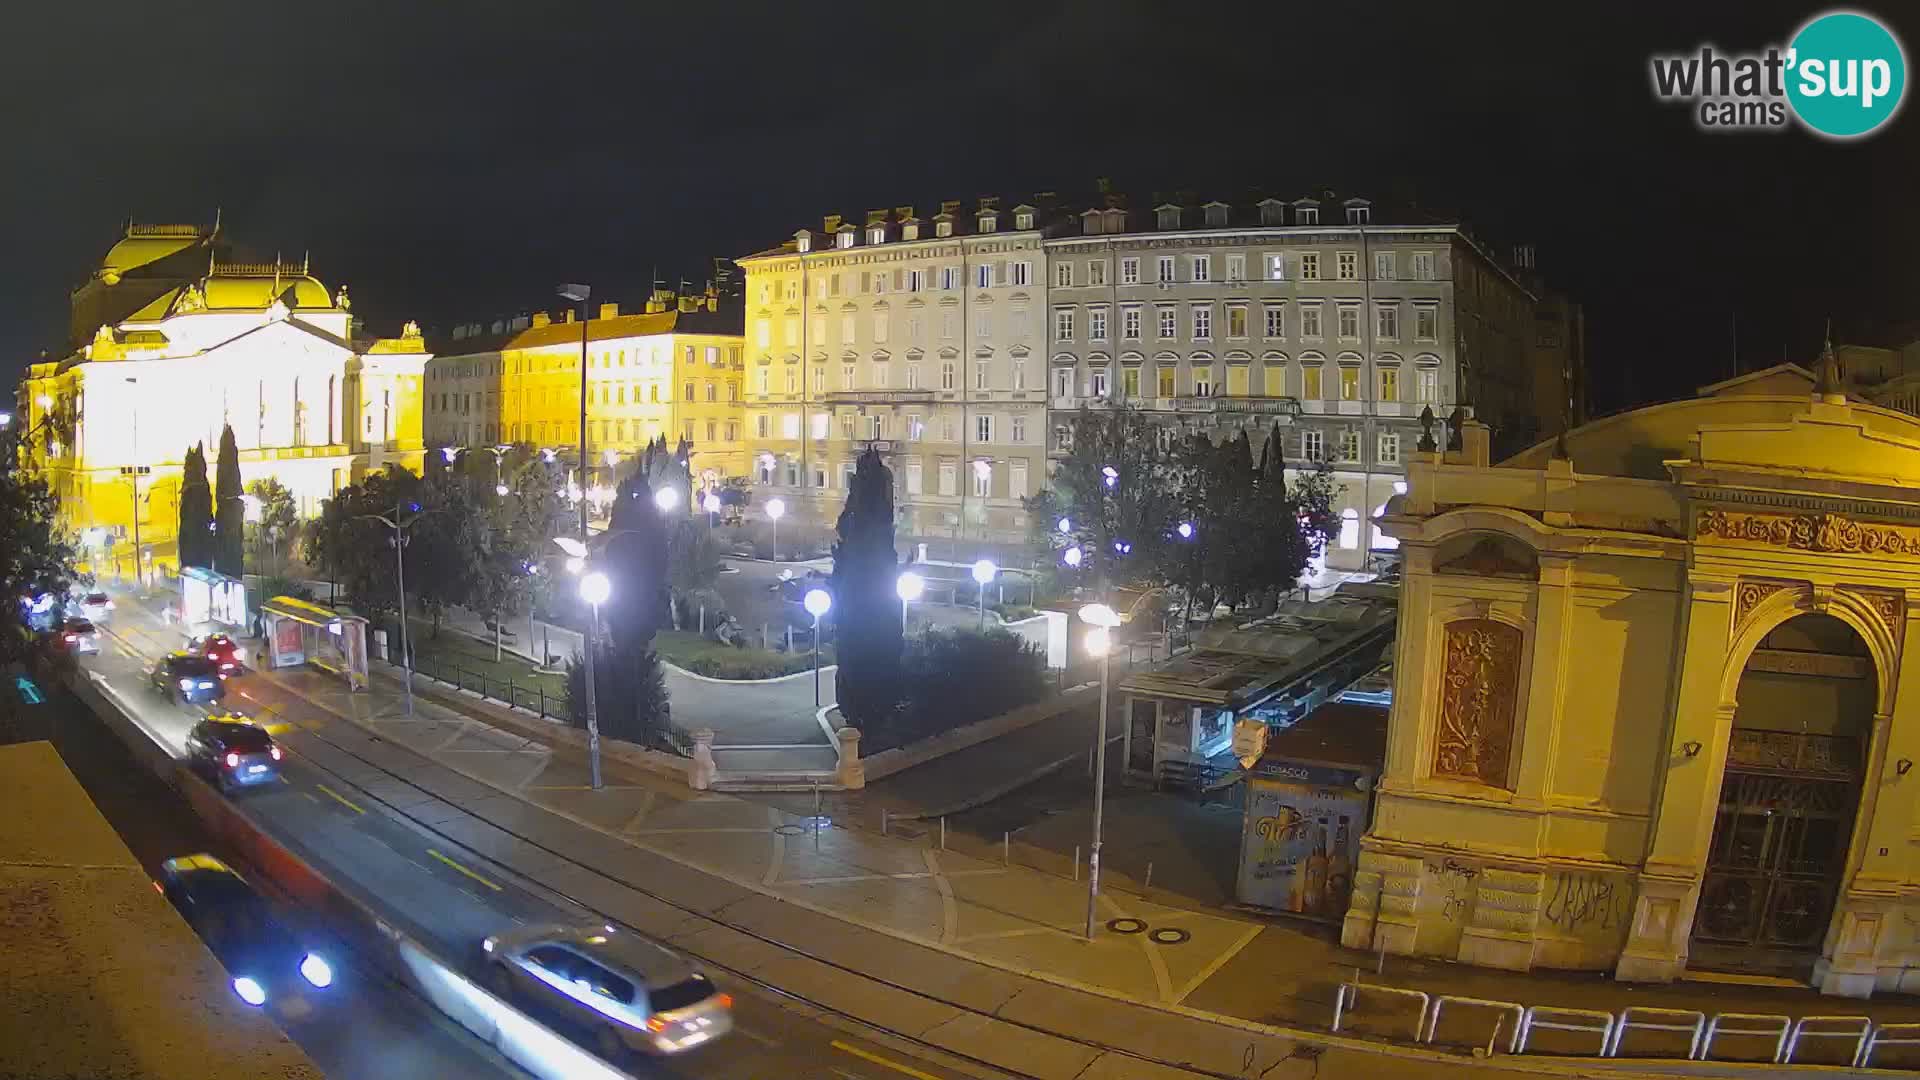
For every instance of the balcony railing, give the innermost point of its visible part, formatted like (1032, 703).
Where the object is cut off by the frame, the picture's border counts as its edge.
(879, 397)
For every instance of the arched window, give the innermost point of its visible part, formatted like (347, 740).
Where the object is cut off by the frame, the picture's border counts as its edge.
(1349, 528)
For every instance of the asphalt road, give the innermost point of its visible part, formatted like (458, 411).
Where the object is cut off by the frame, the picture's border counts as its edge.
(364, 1027)
(452, 899)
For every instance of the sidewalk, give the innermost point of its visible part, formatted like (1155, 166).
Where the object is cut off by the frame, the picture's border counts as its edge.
(945, 922)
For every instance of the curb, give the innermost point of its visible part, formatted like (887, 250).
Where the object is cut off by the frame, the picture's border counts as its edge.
(807, 674)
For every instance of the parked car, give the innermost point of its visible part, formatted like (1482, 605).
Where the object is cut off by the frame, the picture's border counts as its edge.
(187, 677)
(227, 654)
(96, 606)
(231, 751)
(78, 636)
(264, 958)
(634, 994)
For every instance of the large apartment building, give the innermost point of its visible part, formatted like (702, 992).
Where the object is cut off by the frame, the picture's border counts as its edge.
(960, 345)
(921, 337)
(1328, 315)
(672, 370)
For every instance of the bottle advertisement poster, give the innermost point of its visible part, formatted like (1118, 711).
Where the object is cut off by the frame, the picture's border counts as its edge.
(1298, 846)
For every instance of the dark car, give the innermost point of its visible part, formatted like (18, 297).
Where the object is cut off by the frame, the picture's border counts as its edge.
(265, 959)
(188, 677)
(232, 752)
(226, 654)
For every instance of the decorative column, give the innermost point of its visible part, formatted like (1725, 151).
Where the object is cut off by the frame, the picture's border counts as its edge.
(852, 774)
(1539, 721)
(1682, 826)
(701, 776)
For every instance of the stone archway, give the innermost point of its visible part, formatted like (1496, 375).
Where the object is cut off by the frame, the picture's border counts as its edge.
(1789, 798)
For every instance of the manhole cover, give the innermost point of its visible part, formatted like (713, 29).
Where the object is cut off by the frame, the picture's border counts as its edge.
(1168, 935)
(788, 830)
(1126, 926)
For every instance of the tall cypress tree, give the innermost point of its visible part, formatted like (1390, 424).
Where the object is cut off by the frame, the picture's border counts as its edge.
(229, 513)
(196, 511)
(866, 609)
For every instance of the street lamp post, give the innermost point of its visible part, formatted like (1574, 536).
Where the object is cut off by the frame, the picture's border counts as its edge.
(399, 527)
(594, 589)
(818, 602)
(983, 572)
(908, 587)
(1099, 643)
(711, 504)
(775, 508)
(580, 294)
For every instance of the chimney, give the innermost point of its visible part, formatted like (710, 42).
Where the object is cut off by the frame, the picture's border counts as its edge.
(950, 206)
(1103, 185)
(989, 202)
(689, 303)
(830, 223)
(609, 311)
(541, 318)
(877, 217)
(903, 213)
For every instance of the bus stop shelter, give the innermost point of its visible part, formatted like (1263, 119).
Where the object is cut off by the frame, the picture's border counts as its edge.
(302, 632)
(212, 601)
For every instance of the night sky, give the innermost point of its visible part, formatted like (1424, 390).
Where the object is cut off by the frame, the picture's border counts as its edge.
(453, 161)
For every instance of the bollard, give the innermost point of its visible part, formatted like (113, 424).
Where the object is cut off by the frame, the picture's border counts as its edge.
(703, 620)
(943, 832)
(1076, 862)
(1006, 849)
(883, 821)
(1148, 884)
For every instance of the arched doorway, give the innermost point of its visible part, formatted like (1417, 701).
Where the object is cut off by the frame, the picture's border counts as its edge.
(1788, 800)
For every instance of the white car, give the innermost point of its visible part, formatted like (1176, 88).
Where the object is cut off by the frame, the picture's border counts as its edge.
(633, 993)
(96, 606)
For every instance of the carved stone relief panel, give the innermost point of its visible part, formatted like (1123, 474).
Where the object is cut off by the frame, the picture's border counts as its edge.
(1479, 686)
(1751, 592)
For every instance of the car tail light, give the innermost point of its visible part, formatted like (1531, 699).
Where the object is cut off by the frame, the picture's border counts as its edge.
(725, 1001)
(654, 1023)
(233, 761)
(73, 637)
(157, 887)
(275, 751)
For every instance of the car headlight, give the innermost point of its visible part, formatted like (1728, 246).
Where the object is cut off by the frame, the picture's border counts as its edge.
(487, 945)
(186, 684)
(316, 971)
(250, 992)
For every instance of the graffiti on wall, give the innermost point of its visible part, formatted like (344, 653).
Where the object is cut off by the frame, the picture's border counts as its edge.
(1587, 905)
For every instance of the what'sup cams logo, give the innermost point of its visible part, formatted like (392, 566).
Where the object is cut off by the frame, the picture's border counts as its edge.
(1843, 76)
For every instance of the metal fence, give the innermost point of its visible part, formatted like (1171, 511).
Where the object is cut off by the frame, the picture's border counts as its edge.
(1493, 1026)
(531, 696)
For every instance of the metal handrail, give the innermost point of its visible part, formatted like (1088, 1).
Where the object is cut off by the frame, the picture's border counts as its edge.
(1347, 996)
(1657, 1019)
(1716, 1028)
(1555, 1022)
(1859, 1027)
(1903, 1035)
(1519, 1016)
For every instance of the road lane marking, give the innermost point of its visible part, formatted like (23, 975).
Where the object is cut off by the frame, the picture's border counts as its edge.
(463, 870)
(763, 1040)
(339, 798)
(887, 1063)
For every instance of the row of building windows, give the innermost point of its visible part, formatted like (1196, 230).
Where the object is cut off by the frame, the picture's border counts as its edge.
(911, 475)
(1071, 273)
(1312, 444)
(713, 356)
(609, 394)
(1387, 321)
(1312, 383)
(911, 427)
(912, 376)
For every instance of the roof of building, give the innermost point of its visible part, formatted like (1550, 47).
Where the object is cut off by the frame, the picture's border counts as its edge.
(1347, 734)
(135, 251)
(1232, 664)
(727, 320)
(227, 291)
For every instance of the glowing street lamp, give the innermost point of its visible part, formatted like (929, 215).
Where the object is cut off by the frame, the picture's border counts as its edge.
(594, 589)
(711, 504)
(776, 508)
(1072, 557)
(449, 453)
(501, 490)
(1185, 530)
(984, 572)
(6, 419)
(1110, 475)
(1099, 643)
(666, 499)
(817, 602)
(1065, 526)
(908, 587)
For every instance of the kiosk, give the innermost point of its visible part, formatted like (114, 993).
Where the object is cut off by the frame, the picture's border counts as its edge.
(212, 601)
(302, 632)
(1308, 800)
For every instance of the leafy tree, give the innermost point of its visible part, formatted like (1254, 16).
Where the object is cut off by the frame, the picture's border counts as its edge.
(955, 677)
(278, 517)
(449, 546)
(358, 550)
(195, 540)
(1121, 523)
(630, 697)
(693, 566)
(35, 557)
(229, 513)
(867, 635)
(531, 517)
(634, 557)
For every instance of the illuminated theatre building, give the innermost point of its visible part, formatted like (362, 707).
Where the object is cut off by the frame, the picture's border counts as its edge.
(169, 341)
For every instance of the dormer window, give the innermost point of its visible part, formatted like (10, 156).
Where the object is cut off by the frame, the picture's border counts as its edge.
(988, 223)
(1092, 222)
(1306, 215)
(1359, 215)
(877, 235)
(1169, 217)
(1023, 220)
(943, 228)
(803, 241)
(844, 238)
(1273, 212)
(910, 231)
(1216, 215)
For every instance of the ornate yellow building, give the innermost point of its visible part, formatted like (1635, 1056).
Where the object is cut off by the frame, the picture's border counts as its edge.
(172, 340)
(1651, 708)
(673, 370)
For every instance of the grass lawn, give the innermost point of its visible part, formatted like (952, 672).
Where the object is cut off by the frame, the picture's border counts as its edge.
(716, 661)
(439, 656)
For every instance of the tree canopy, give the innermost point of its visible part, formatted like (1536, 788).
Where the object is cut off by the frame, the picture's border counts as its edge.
(866, 608)
(229, 512)
(195, 536)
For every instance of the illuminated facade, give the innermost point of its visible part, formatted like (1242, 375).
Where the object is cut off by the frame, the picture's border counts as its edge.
(1650, 708)
(187, 341)
(919, 337)
(673, 370)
